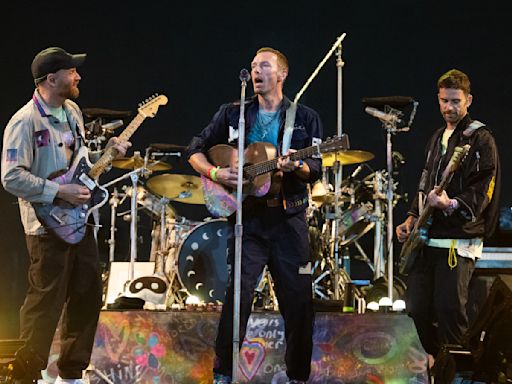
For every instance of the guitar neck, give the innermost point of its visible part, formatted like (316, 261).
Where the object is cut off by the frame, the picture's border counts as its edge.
(428, 210)
(271, 165)
(110, 153)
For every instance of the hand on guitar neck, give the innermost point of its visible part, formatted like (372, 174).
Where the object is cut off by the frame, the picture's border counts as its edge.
(404, 230)
(440, 201)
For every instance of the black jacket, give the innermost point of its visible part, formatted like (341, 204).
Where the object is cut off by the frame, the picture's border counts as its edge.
(476, 184)
(307, 128)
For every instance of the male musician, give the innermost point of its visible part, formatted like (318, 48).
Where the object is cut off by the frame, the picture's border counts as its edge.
(275, 232)
(41, 138)
(464, 213)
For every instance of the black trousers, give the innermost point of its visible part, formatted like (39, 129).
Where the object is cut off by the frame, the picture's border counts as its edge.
(280, 241)
(63, 279)
(437, 297)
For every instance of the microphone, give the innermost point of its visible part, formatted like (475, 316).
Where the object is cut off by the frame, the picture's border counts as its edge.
(392, 101)
(382, 116)
(244, 75)
(112, 125)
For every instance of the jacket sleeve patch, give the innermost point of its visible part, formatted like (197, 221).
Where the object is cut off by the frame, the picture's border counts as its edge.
(42, 138)
(11, 155)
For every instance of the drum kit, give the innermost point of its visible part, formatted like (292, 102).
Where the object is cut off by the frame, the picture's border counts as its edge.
(190, 257)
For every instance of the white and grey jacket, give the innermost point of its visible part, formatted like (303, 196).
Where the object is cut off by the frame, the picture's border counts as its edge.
(33, 149)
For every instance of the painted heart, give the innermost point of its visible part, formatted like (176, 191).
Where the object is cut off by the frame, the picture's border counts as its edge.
(252, 355)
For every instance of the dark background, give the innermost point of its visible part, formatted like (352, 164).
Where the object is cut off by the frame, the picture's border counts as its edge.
(193, 51)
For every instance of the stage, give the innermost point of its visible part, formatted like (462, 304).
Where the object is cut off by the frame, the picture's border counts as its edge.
(177, 348)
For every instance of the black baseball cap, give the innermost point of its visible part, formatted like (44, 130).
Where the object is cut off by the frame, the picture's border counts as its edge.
(50, 60)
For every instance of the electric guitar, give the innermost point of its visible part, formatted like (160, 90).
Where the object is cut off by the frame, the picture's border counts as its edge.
(67, 221)
(259, 160)
(419, 234)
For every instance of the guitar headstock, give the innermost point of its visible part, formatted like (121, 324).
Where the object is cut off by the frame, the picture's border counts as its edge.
(334, 144)
(150, 106)
(459, 154)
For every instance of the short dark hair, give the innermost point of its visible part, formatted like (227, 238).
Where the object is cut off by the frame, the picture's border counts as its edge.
(282, 61)
(455, 79)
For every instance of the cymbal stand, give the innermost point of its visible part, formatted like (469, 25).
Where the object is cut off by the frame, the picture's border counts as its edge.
(378, 244)
(134, 176)
(133, 226)
(114, 203)
(177, 293)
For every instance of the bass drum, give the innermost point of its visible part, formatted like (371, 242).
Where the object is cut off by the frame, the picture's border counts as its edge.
(202, 260)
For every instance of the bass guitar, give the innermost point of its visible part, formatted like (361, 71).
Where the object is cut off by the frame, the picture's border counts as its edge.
(67, 221)
(419, 234)
(259, 160)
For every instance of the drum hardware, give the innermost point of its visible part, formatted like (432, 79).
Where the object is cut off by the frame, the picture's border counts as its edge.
(180, 188)
(265, 296)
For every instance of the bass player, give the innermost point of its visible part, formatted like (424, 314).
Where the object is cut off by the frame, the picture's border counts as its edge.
(464, 213)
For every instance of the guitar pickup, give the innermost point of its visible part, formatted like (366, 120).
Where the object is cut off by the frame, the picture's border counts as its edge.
(55, 217)
(87, 181)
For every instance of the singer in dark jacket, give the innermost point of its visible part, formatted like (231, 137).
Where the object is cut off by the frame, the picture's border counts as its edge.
(275, 232)
(465, 213)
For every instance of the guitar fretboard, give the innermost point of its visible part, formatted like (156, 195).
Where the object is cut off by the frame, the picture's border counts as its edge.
(270, 165)
(110, 153)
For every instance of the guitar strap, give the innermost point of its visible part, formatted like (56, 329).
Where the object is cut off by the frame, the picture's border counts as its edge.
(288, 127)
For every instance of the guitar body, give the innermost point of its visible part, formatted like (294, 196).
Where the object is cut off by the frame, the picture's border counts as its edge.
(69, 222)
(419, 234)
(412, 248)
(220, 199)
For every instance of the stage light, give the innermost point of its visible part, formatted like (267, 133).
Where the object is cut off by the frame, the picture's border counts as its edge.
(372, 306)
(192, 300)
(385, 304)
(398, 305)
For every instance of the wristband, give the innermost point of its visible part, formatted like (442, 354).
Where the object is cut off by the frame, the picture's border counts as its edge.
(212, 172)
(453, 204)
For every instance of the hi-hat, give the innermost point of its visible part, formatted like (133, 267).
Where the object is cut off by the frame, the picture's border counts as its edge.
(181, 188)
(137, 162)
(349, 156)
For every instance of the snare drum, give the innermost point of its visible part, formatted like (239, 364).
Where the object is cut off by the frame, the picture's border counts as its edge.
(150, 203)
(202, 260)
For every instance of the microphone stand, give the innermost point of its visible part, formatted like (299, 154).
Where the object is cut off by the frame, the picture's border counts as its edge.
(238, 230)
(337, 166)
(390, 125)
(338, 177)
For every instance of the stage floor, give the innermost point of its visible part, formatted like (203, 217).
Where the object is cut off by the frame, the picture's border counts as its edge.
(177, 348)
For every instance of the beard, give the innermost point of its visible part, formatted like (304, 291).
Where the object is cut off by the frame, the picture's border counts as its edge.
(70, 92)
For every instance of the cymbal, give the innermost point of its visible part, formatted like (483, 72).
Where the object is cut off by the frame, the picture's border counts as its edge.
(137, 162)
(168, 147)
(349, 156)
(181, 188)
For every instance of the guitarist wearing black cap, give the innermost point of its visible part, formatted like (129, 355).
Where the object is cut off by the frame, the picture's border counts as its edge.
(42, 138)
